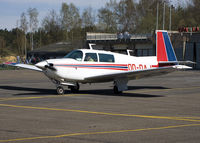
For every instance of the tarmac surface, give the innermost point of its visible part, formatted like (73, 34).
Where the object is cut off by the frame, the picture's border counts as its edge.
(161, 109)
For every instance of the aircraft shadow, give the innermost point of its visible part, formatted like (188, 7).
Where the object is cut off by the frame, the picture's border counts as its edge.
(104, 92)
(32, 91)
(109, 92)
(145, 87)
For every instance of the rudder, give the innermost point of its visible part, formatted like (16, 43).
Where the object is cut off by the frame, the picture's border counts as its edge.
(165, 51)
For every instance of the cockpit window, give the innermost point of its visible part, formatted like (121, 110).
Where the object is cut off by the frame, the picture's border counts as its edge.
(77, 55)
(90, 57)
(106, 58)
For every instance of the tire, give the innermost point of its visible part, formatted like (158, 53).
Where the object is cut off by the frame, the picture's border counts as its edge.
(60, 90)
(116, 91)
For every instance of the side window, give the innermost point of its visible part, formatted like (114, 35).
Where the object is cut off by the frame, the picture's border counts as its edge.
(90, 57)
(106, 58)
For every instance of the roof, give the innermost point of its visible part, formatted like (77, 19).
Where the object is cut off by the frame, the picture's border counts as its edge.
(56, 47)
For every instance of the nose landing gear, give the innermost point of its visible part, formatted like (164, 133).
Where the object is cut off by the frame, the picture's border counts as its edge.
(74, 88)
(60, 90)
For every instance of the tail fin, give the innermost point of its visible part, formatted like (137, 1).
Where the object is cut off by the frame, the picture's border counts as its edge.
(165, 52)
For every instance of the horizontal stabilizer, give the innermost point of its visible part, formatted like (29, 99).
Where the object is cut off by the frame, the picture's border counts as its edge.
(179, 62)
(183, 67)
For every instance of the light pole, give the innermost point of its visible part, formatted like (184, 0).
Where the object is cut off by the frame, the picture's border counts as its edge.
(170, 17)
(157, 16)
(164, 16)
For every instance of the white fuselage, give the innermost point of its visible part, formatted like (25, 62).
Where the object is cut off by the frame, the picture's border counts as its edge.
(78, 70)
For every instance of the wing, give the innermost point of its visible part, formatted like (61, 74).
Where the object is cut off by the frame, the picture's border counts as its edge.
(25, 66)
(131, 75)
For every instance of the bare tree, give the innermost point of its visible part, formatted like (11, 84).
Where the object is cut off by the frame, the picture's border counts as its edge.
(19, 39)
(50, 21)
(52, 26)
(126, 15)
(33, 22)
(107, 16)
(88, 17)
(70, 18)
(24, 28)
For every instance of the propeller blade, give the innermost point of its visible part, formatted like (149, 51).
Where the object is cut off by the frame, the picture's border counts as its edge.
(50, 66)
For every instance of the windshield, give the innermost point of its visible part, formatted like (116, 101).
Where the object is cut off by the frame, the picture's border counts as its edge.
(77, 55)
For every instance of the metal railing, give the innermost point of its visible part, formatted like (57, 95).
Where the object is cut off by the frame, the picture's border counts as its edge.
(140, 36)
(110, 36)
(101, 36)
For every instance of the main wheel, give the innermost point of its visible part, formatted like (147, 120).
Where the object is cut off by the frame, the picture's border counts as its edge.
(75, 89)
(60, 90)
(116, 91)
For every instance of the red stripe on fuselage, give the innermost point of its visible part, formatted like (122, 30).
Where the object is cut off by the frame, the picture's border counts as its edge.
(115, 66)
(105, 68)
(95, 64)
(161, 50)
(155, 66)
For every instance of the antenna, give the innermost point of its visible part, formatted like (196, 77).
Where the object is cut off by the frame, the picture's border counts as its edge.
(90, 45)
(128, 52)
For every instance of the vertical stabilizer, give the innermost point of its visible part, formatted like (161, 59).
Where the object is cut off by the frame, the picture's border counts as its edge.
(165, 52)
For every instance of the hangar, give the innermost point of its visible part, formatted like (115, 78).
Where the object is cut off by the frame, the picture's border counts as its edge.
(55, 50)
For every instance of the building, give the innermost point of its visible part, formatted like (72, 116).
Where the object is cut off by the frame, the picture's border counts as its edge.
(56, 50)
(186, 44)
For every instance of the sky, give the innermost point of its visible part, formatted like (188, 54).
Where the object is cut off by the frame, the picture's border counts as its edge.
(10, 10)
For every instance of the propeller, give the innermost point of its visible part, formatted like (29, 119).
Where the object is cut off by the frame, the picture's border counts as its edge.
(50, 66)
(46, 65)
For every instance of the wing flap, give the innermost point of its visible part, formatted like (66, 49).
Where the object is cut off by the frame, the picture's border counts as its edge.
(131, 75)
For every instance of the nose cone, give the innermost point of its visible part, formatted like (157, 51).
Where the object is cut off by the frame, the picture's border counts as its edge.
(41, 64)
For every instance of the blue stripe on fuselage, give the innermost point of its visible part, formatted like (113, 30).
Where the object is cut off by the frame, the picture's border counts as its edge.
(94, 66)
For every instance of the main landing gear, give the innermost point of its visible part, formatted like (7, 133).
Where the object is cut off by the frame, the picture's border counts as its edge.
(60, 90)
(120, 85)
(116, 90)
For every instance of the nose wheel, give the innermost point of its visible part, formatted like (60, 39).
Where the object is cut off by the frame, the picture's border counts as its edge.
(60, 90)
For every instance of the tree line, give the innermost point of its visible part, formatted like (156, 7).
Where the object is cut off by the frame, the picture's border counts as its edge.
(69, 25)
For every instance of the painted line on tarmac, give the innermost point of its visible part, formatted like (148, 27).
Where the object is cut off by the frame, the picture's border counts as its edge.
(101, 113)
(157, 90)
(129, 91)
(98, 133)
(38, 97)
(198, 118)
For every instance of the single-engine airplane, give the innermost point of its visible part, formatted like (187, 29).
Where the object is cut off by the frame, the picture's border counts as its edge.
(93, 66)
